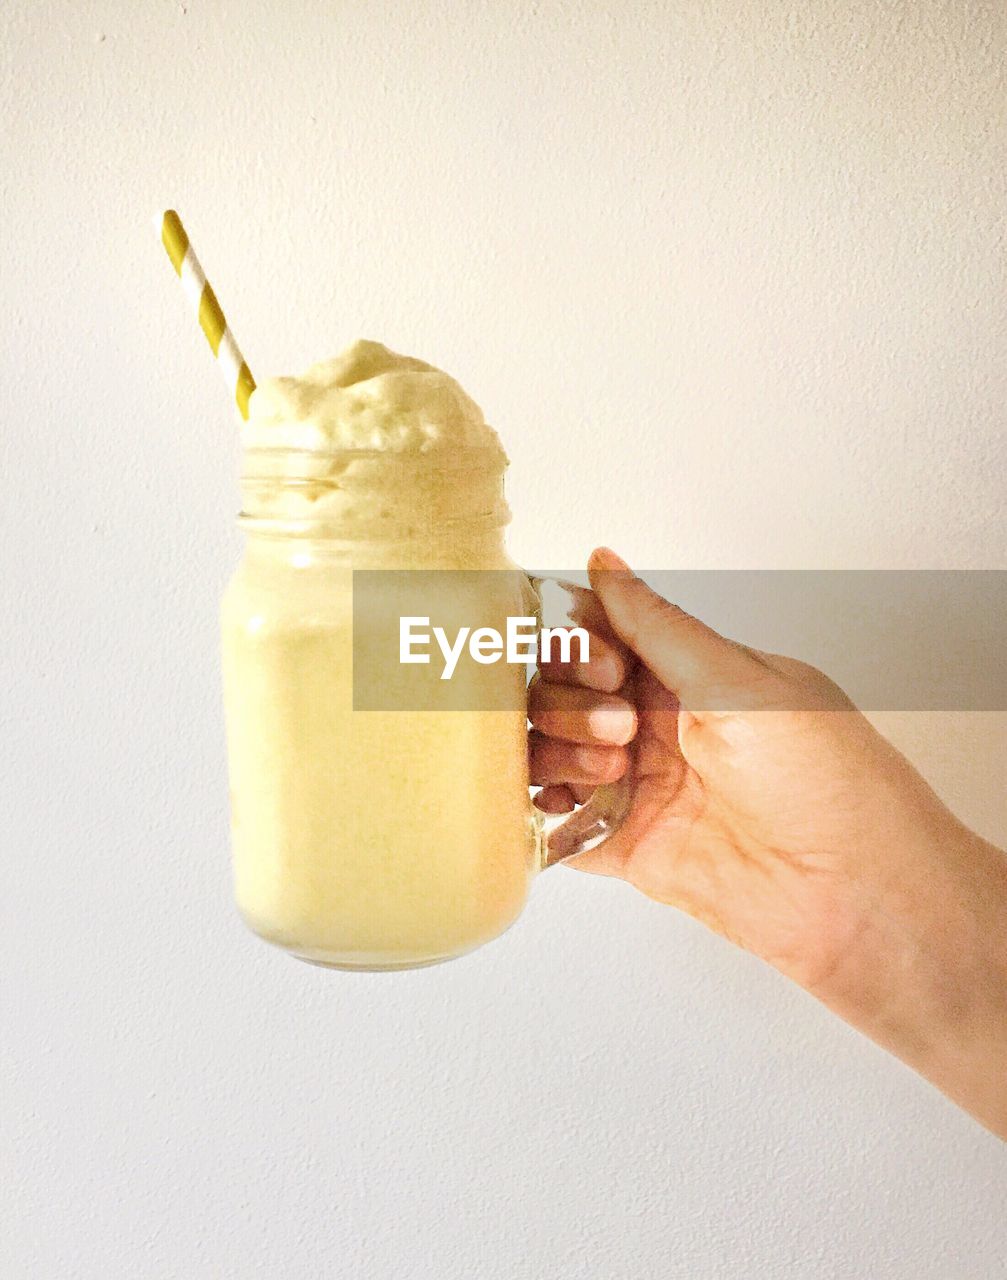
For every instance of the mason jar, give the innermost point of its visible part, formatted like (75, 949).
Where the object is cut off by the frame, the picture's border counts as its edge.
(383, 838)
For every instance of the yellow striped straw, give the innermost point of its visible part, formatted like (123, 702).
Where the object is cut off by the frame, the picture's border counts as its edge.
(204, 302)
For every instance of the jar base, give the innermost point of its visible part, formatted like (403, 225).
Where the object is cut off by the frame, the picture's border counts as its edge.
(362, 961)
(375, 967)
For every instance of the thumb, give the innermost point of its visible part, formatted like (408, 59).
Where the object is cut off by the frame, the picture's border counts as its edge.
(701, 666)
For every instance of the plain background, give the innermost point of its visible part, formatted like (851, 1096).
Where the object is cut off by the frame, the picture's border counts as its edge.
(729, 279)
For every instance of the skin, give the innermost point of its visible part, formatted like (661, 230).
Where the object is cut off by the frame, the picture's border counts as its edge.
(766, 805)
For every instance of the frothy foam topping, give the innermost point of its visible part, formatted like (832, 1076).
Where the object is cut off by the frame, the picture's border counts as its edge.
(367, 398)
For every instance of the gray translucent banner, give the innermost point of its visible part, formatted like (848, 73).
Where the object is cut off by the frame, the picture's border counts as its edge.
(923, 640)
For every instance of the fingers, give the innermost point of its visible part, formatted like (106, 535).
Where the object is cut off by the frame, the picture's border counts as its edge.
(578, 742)
(698, 664)
(561, 799)
(555, 762)
(609, 661)
(580, 715)
(580, 727)
(605, 670)
(555, 800)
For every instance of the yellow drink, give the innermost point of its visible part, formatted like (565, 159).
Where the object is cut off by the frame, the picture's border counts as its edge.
(368, 839)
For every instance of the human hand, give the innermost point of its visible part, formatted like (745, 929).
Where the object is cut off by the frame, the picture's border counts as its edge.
(766, 805)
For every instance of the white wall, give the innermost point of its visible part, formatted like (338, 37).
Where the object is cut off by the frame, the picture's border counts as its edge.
(729, 278)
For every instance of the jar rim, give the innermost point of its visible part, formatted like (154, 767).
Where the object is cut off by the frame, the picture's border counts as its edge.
(373, 492)
(462, 458)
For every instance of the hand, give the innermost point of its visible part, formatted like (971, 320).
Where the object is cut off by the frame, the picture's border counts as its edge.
(767, 806)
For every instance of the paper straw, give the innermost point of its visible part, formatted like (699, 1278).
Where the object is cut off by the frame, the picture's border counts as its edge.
(204, 303)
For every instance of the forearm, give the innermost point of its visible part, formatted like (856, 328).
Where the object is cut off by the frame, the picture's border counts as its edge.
(927, 976)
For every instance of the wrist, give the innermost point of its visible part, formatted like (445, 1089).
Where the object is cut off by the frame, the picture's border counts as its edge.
(924, 972)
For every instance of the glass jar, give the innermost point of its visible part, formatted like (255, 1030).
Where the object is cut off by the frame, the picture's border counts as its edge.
(373, 839)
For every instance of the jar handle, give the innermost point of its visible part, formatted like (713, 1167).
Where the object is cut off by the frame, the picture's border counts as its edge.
(606, 810)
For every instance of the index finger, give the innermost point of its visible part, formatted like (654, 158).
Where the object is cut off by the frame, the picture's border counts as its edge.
(609, 660)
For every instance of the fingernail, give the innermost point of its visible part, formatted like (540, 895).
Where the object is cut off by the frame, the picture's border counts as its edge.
(605, 558)
(612, 724)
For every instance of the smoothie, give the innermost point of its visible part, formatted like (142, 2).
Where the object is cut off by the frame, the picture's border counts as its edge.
(368, 839)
